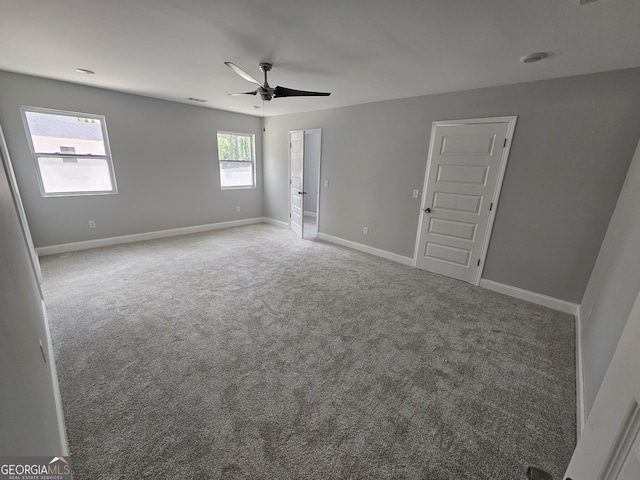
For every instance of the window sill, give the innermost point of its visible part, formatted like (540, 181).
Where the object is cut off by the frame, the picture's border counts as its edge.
(76, 194)
(248, 187)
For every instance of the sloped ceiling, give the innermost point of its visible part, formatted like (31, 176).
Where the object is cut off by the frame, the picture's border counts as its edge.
(360, 50)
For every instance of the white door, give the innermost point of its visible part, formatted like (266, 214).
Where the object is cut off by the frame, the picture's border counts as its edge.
(466, 164)
(609, 446)
(296, 146)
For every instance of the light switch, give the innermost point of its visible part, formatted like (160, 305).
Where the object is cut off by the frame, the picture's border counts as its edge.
(326, 183)
(416, 192)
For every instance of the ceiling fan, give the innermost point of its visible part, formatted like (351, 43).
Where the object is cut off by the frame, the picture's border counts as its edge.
(265, 90)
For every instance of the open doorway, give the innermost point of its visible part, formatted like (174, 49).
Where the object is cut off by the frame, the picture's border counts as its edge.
(311, 182)
(305, 153)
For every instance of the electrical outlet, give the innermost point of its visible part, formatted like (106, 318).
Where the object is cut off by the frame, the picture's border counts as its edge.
(365, 230)
(238, 209)
(416, 192)
(92, 224)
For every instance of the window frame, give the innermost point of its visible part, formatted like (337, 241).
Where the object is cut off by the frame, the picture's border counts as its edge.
(70, 156)
(252, 137)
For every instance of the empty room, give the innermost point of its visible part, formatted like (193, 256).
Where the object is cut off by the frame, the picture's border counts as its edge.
(320, 240)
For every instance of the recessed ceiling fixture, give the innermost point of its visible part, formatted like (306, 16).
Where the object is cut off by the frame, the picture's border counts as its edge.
(84, 71)
(534, 57)
(193, 99)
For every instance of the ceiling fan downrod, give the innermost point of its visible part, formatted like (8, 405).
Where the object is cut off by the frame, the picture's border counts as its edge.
(266, 92)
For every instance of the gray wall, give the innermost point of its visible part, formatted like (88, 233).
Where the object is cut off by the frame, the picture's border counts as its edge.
(164, 156)
(573, 144)
(28, 417)
(311, 170)
(613, 286)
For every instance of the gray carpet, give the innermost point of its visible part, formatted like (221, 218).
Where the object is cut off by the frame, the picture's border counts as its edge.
(251, 354)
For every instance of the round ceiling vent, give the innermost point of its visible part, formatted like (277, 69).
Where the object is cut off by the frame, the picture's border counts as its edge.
(534, 57)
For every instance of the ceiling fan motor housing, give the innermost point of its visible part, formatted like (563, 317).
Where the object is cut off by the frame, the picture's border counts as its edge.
(266, 93)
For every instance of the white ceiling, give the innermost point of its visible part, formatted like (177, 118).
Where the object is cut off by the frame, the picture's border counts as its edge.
(360, 50)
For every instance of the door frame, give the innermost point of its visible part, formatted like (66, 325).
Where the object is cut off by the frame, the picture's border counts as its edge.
(609, 434)
(22, 216)
(511, 126)
(305, 130)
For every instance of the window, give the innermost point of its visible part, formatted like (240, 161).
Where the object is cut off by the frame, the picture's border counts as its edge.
(236, 157)
(71, 151)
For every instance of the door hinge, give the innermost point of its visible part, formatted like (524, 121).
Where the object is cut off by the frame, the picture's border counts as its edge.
(478, 262)
(289, 215)
(505, 143)
(491, 206)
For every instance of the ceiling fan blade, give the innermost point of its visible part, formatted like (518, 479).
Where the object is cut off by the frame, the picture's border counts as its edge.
(255, 92)
(242, 73)
(290, 92)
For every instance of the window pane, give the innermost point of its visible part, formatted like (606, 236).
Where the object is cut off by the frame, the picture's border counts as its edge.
(234, 147)
(53, 133)
(235, 155)
(56, 138)
(236, 174)
(62, 175)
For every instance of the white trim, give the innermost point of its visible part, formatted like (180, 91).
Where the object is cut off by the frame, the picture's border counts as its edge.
(277, 223)
(305, 130)
(533, 297)
(581, 409)
(367, 249)
(62, 433)
(310, 214)
(319, 186)
(22, 216)
(105, 141)
(511, 126)
(253, 160)
(138, 237)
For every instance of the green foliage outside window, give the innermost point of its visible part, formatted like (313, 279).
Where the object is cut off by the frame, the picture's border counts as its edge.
(235, 155)
(236, 147)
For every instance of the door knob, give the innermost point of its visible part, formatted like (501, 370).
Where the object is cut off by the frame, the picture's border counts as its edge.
(302, 193)
(427, 210)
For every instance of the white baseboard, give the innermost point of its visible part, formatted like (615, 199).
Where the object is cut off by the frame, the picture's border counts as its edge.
(277, 223)
(138, 237)
(537, 298)
(310, 214)
(581, 409)
(62, 431)
(366, 249)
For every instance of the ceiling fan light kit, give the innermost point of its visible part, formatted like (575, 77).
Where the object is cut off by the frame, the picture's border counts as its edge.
(267, 92)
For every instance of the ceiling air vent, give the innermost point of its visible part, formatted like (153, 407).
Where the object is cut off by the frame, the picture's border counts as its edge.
(584, 2)
(193, 99)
